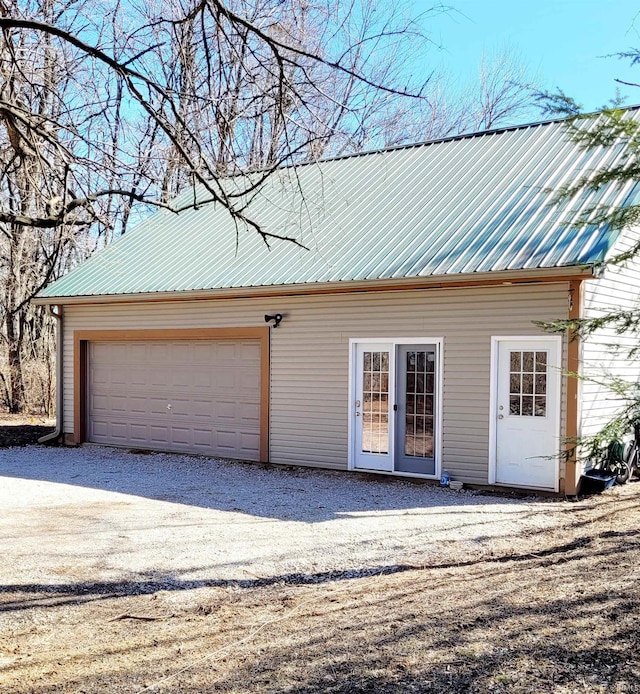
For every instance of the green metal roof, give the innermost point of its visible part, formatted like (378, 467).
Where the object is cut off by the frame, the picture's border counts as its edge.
(471, 204)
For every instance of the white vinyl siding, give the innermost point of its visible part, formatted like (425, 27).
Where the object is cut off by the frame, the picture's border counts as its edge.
(618, 289)
(310, 356)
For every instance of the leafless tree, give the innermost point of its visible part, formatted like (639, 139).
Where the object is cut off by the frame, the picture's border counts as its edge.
(108, 107)
(103, 109)
(504, 90)
(502, 93)
(228, 88)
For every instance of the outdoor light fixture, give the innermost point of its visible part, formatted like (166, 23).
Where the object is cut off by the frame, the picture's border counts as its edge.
(276, 318)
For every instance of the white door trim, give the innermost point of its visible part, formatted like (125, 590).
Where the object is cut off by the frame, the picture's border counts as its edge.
(555, 340)
(395, 342)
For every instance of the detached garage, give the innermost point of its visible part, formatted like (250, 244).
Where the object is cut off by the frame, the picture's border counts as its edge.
(410, 340)
(185, 391)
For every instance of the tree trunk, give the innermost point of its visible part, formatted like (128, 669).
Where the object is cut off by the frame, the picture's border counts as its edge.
(16, 380)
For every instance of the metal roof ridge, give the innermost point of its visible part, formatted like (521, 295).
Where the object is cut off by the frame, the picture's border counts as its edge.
(426, 143)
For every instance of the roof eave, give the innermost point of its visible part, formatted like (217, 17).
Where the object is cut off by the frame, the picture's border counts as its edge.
(504, 277)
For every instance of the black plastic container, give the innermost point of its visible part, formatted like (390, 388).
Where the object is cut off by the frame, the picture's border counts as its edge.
(595, 481)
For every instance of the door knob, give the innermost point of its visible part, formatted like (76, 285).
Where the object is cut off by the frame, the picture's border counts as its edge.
(500, 416)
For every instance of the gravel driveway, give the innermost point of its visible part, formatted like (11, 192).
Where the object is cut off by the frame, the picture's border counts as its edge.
(98, 515)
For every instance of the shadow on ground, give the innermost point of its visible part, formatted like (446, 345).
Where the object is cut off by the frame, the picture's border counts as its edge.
(269, 491)
(17, 597)
(563, 620)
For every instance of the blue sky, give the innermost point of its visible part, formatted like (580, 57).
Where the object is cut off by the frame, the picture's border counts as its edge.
(561, 40)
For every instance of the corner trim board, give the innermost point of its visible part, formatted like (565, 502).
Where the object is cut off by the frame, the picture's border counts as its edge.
(82, 338)
(572, 423)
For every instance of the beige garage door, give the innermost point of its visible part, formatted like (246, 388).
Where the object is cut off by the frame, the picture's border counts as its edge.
(187, 396)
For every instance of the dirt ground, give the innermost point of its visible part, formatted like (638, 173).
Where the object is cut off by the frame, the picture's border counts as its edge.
(23, 430)
(553, 610)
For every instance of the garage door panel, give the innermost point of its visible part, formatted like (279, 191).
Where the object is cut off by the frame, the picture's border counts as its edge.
(204, 382)
(225, 379)
(99, 402)
(176, 351)
(139, 377)
(138, 432)
(157, 352)
(226, 351)
(249, 382)
(225, 410)
(138, 404)
(118, 403)
(157, 407)
(188, 396)
(203, 353)
(183, 377)
(138, 353)
(106, 353)
(227, 440)
(181, 408)
(202, 409)
(159, 434)
(119, 430)
(249, 351)
(250, 412)
(101, 375)
(155, 377)
(181, 436)
(100, 428)
(249, 441)
(202, 437)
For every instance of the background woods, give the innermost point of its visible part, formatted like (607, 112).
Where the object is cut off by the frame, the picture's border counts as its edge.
(109, 109)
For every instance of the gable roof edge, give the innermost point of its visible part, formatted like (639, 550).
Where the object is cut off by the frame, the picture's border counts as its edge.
(486, 279)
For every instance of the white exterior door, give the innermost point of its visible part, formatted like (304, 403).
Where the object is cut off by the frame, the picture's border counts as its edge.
(372, 407)
(527, 412)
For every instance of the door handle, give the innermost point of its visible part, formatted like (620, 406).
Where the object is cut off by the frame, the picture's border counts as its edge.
(500, 416)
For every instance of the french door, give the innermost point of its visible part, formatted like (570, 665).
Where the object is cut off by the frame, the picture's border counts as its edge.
(395, 406)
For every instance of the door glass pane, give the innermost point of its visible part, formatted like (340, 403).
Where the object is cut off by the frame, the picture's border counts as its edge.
(431, 362)
(540, 385)
(420, 394)
(528, 384)
(541, 359)
(375, 402)
(411, 382)
(430, 383)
